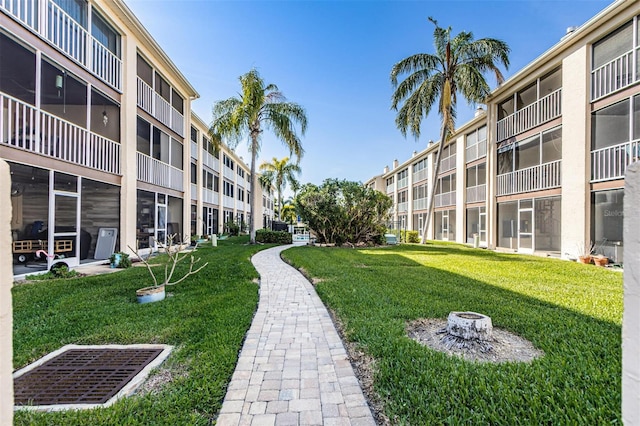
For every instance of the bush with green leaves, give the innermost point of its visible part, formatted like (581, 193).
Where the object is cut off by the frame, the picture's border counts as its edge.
(341, 211)
(276, 237)
(232, 228)
(410, 237)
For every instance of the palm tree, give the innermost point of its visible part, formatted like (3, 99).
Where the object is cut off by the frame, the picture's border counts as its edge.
(457, 66)
(258, 107)
(278, 173)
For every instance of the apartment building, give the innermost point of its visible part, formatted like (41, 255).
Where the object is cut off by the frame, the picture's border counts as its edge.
(96, 125)
(541, 168)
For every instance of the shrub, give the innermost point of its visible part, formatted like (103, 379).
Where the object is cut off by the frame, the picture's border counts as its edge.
(232, 228)
(276, 237)
(410, 237)
(123, 262)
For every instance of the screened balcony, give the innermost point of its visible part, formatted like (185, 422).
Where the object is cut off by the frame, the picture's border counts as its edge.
(539, 112)
(445, 199)
(158, 173)
(536, 178)
(24, 127)
(153, 103)
(611, 162)
(477, 194)
(612, 76)
(52, 23)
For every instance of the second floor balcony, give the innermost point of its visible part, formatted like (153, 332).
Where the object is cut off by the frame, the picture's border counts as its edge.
(156, 172)
(420, 204)
(611, 162)
(52, 23)
(539, 112)
(475, 151)
(536, 178)
(27, 128)
(210, 196)
(403, 207)
(613, 76)
(477, 194)
(445, 199)
(153, 103)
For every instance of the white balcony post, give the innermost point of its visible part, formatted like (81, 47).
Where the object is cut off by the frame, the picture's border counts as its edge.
(6, 316)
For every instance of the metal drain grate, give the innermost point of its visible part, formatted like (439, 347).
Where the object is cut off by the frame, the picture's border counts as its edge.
(81, 376)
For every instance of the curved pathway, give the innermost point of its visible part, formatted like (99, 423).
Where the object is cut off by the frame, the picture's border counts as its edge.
(293, 368)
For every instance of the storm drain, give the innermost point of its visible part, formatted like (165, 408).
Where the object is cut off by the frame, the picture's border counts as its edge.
(85, 376)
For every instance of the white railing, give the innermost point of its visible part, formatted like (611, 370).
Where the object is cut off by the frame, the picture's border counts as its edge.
(145, 96)
(240, 205)
(403, 183)
(390, 188)
(240, 182)
(229, 202)
(158, 173)
(106, 65)
(611, 162)
(23, 126)
(476, 194)
(539, 112)
(476, 151)
(403, 207)
(209, 196)
(536, 178)
(420, 204)
(157, 106)
(194, 150)
(210, 161)
(194, 192)
(229, 174)
(53, 24)
(445, 199)
(612, 76)
(420, 175)
(447, 164)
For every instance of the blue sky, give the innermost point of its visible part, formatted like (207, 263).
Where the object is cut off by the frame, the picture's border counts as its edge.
(334, 58)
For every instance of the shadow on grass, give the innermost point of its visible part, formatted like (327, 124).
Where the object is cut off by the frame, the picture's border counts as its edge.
(576, 382)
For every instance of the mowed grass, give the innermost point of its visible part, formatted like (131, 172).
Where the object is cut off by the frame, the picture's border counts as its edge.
(572, 312)
(206, 319)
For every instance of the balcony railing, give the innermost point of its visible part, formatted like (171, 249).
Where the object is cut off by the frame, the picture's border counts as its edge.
(403, 207)
(612, 76)
(210, 161)
(445, 199)
(194, 150)
(403, 183)
(611, 162)
(536, 178)
(543, 110)
(476, 151)
(25, 127)
(209, 196)
(447, 164)
(158, 173)
(157, 106)
(477, 194)
(229, 202)
(229, 174)
(194, 192)
(420, 175)
(240, 205)
(420, 204)
(53, 24)
(390, 188)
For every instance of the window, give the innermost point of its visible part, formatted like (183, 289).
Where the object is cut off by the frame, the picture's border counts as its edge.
(160, 147)
(162, 87)
(552, 145)
(17, 70)
(194, 173)
(476, 144)
(63, 95)
(527, 153)
(210, 147)
(77, 9)
(227, 188)
(240, 172)
(105, 34)
(607, 217)
(610, 125)
(240, 194)
(176, 153)
(402, 196)
(143, 137)
(420, 192)
(228, 162)
(536, 150)
(194, 135)
(612, 46)
(446, 184)
(105, 116)
(216, 183)
(145, 72)
(177, 102)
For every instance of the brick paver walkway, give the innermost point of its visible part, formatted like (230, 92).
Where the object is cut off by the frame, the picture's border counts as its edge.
(293, 368)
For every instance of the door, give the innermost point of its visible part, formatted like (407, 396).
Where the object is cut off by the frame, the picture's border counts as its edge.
(161, 220)
(63, 243)
(525, 226)
(482, 226)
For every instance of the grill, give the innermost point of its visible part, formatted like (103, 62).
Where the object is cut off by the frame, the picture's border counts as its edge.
(81, 376)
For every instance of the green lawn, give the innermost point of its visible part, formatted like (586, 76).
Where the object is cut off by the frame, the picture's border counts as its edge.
(572, 312)
(206, 319)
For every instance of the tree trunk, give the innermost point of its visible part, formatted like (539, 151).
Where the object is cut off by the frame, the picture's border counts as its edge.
(252, 186)
(443, 137)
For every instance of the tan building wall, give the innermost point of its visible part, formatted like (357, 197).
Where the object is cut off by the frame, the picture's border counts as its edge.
(6, 316)
(575, 151)
(631, 317)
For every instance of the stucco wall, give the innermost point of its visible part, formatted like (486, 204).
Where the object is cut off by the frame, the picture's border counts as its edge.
(6, 317)
(631, 317)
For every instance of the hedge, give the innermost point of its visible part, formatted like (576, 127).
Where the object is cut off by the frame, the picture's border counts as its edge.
(277, 237)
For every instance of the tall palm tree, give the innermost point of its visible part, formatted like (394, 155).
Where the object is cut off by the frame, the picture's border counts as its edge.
(279, 173)
(260, 106)
(457, 67)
